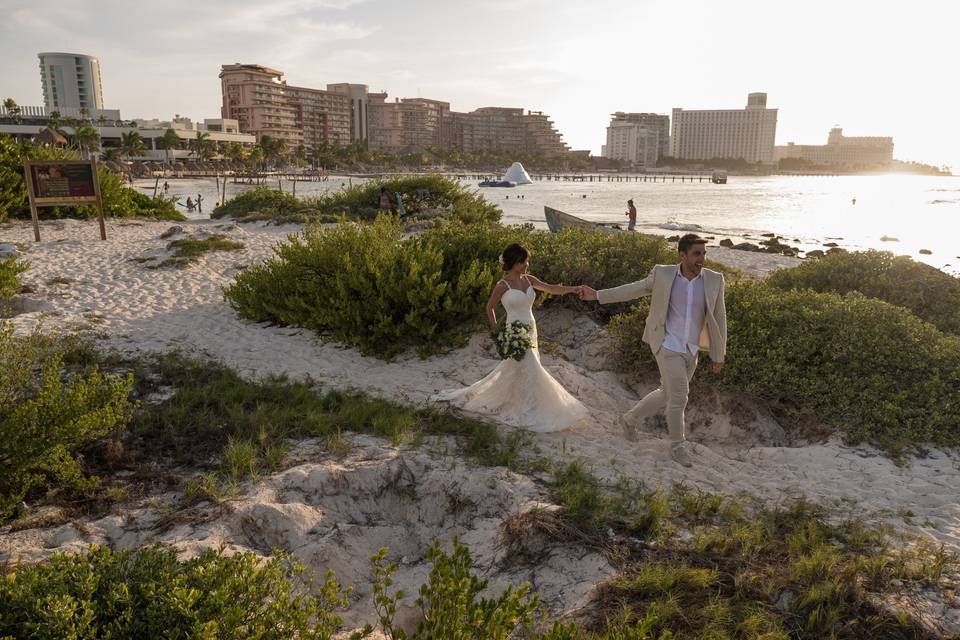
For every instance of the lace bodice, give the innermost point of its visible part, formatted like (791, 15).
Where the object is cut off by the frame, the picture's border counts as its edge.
(519, 303)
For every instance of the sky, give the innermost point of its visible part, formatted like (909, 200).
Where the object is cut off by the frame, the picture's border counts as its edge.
(874, 68)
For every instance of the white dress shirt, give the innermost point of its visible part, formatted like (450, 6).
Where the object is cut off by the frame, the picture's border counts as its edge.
(685, 314)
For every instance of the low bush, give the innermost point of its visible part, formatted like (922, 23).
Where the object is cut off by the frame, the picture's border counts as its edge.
(187, 250)
(367, 287)
(10, 282)
(46, 416)
(214, 414)
(119, 200)
(424, 196)
(866, 367)
(150, 594)
(927, 291)
(739, 570)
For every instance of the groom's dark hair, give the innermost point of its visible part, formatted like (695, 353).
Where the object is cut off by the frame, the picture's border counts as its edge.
(688, 241)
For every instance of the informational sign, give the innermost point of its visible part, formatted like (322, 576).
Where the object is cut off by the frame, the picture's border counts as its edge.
(62, 183)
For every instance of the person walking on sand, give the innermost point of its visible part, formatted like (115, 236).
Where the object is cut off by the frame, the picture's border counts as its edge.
(632, 214)
(687, 314)
(166, 186)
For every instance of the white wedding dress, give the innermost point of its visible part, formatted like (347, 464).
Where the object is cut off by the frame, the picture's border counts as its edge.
(520, 393)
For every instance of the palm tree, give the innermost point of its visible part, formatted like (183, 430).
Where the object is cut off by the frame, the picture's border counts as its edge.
(169, 140)
(86, 139)
(235, 152)
(131, 144)
(111, 154)
(84, 113)
(13, 109)
(201, 146)
(255, 157)
(273, 148)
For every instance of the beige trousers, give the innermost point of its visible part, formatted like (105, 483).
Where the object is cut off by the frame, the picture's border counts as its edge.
(676, 372)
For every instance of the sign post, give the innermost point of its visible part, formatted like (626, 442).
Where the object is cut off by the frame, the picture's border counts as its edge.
(62, 183)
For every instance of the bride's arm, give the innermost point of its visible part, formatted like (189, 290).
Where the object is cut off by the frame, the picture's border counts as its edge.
(555, 289)
(492, 303)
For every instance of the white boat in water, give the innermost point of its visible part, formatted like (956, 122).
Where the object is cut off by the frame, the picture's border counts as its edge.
(558, 220)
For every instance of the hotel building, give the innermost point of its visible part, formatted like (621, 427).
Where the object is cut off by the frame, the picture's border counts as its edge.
(408, 123)
(638, 138)
(70, 81)
(746, 134)
(265, 105)
(841, 150)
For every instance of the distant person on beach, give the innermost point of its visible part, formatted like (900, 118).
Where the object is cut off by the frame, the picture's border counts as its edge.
(386, 201)
(166, 186)
(687, 315)
(199, 203)
(189, 204)
(632, 214)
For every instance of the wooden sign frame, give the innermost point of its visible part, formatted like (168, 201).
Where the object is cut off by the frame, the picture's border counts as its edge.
(37, 201)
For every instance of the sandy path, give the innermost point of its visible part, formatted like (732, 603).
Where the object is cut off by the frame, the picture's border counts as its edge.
(141, 309)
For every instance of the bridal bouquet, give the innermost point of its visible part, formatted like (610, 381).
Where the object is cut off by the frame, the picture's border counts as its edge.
(512, 340)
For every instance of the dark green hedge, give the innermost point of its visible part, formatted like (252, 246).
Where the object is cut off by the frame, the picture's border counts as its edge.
(368, 287)
(928, 292)
(424, 196)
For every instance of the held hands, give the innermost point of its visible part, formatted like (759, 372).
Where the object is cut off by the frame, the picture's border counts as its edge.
(716, 367)
(587, 293)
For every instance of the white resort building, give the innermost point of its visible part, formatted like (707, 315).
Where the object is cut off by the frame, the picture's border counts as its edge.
(841, 151)
(70, 81)
(638, 138)
(746, 134)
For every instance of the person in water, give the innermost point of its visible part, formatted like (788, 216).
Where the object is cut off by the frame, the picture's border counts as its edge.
(189, 203)
(199, 203)
(632, 214)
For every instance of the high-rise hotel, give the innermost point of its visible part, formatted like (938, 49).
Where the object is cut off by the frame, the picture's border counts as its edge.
(746, 134)
(70, 81)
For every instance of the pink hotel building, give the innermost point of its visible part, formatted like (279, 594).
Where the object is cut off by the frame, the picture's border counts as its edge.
(265, 105)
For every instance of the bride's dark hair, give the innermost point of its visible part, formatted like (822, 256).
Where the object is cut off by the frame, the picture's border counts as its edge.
(513, 254)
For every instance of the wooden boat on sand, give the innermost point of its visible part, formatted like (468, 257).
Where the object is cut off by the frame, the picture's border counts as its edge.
(558, 220)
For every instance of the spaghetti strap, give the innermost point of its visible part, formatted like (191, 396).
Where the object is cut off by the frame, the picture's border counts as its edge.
(504, 281)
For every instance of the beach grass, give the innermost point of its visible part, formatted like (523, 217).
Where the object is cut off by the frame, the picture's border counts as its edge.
(187, 250)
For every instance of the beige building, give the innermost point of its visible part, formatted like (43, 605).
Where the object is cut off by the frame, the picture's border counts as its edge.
(265, 105)
(506, 130)
(746, 134)
(841, 151)
(408, 122)
(638, 138)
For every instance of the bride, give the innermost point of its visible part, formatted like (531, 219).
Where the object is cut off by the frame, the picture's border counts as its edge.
(520, 393)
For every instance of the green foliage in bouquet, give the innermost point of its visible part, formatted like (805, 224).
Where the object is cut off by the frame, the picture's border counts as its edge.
(512, 339)
(867, 367)
(46, 416)
(927, 291)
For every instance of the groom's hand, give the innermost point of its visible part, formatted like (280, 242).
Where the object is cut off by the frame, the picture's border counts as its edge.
(716, 367)
(587, 293)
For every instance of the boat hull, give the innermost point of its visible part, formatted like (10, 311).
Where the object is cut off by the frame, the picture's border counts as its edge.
(558, 221)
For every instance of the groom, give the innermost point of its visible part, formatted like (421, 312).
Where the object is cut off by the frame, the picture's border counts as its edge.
(687, 314)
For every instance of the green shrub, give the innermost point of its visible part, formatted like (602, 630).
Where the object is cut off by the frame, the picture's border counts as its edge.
(150, 594)
(10, 270)
(119, 200)
(927, 291)
(367, 287)
(864, 366)
(449, 605)
(46, 416)
(424, 196)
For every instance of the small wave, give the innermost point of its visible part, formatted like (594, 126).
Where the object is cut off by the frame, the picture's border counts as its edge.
(954, 201)
(673, 225)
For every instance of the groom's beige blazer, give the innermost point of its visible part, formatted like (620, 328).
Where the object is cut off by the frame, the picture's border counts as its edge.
(658, 284)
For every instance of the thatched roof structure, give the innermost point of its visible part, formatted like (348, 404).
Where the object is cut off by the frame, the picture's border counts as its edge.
(51, 137)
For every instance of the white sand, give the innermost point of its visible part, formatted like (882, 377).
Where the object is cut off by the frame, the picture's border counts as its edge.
(140, 309)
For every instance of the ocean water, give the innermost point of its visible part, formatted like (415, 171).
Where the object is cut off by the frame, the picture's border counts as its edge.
(919, 212)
